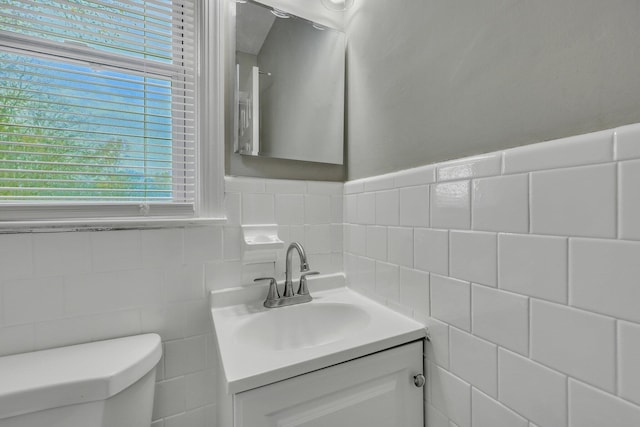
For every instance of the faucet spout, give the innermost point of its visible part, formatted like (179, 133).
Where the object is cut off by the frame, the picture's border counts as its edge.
(304, 266)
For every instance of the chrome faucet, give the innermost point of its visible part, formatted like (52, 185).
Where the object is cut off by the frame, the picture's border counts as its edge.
(289, 297)
(304, 266)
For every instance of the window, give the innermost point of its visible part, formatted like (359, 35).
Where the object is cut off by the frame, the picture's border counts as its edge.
(98, 109)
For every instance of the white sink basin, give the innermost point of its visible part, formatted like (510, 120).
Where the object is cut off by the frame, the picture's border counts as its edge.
(259, 346)
(301, 326)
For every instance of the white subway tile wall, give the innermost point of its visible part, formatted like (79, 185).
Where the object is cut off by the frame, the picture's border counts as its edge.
(66, 288)
(522, 263)
(474, 360)
(528, 263)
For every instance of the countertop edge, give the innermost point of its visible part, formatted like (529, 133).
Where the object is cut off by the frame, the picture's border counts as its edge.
(322, 362)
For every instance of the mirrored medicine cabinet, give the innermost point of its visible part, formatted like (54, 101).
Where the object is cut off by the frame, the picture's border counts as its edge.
(289, 86)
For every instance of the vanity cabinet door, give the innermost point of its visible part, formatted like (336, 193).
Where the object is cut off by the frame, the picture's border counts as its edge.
(373, 391)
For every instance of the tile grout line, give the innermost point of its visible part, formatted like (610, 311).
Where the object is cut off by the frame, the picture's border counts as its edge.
(530, 340)
(530, 201)
(569, 254)
(568, 406)
(618, 201)
(448, 253)
(616, 364)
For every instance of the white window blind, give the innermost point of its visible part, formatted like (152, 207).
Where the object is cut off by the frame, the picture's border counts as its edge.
(97, 107)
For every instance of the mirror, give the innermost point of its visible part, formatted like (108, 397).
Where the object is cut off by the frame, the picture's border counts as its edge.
(290, 75)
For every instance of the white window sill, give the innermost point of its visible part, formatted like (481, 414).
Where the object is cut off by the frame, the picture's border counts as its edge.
(98, 224)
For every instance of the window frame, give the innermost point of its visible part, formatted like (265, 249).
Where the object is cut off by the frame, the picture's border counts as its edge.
(209, 144)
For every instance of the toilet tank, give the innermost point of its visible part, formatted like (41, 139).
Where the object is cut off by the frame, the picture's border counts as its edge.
(100, 384)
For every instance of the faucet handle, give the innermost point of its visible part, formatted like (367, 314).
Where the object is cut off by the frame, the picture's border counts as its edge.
(302, 289)
(273, 294)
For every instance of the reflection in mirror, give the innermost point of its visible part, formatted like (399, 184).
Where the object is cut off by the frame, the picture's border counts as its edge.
(289, 86)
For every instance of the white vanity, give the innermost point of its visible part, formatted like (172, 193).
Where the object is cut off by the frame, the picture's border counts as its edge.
(339, 360)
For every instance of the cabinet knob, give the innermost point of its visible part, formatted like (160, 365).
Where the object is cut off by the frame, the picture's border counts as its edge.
(419, 380)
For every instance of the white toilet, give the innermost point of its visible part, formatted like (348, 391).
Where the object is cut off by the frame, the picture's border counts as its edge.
(99, 384)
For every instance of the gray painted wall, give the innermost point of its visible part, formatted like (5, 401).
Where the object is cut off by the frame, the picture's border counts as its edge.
(435, 80)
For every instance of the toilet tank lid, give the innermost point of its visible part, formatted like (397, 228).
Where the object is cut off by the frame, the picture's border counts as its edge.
(40, 380)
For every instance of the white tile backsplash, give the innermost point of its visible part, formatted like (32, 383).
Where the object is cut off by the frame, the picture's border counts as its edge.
(474, 360)
(16, 256)
(258, 208)
(533, 265)
(451, 301)
(222, 274)
(387, 281)
(232, 243)
(533, 390)
(451, 396)
(366, 208)
(162, 248)
(324, 187)
(184, 356)
(350, 206)
(202, 244)
(366, 269)
(414, 290)
(604, 277)
(169, 398)
(285, 186)
(317, 209)
(118, 250)
(380, 182)
(451, 205)
(17, 339)
(487, 412)
(577, 150)
(354, 187)
(431, 250)
(93, 327)
(438, 344)
(32, 300)
(590, 407)
(318, 238)
(531, 254)
(240, 184)
(414, 206)
(628, 356)
(575, 202)
(559, 332)
(337, 209)
(184, 283)
(553, 345)
(501, 204)
(629, 200)
(51, 260)
(290, 209)
(64, 288)
(387, 207)
(233, 208)
(501, 317)
(357, 239)
(199, 391)
(627, 142)
(435, 418)
(400, 246)
(416, 176)
(473, 256)
(377, 242)
(470, 167)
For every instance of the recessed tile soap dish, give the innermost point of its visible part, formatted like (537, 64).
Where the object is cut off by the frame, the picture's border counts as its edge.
(260, 243)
